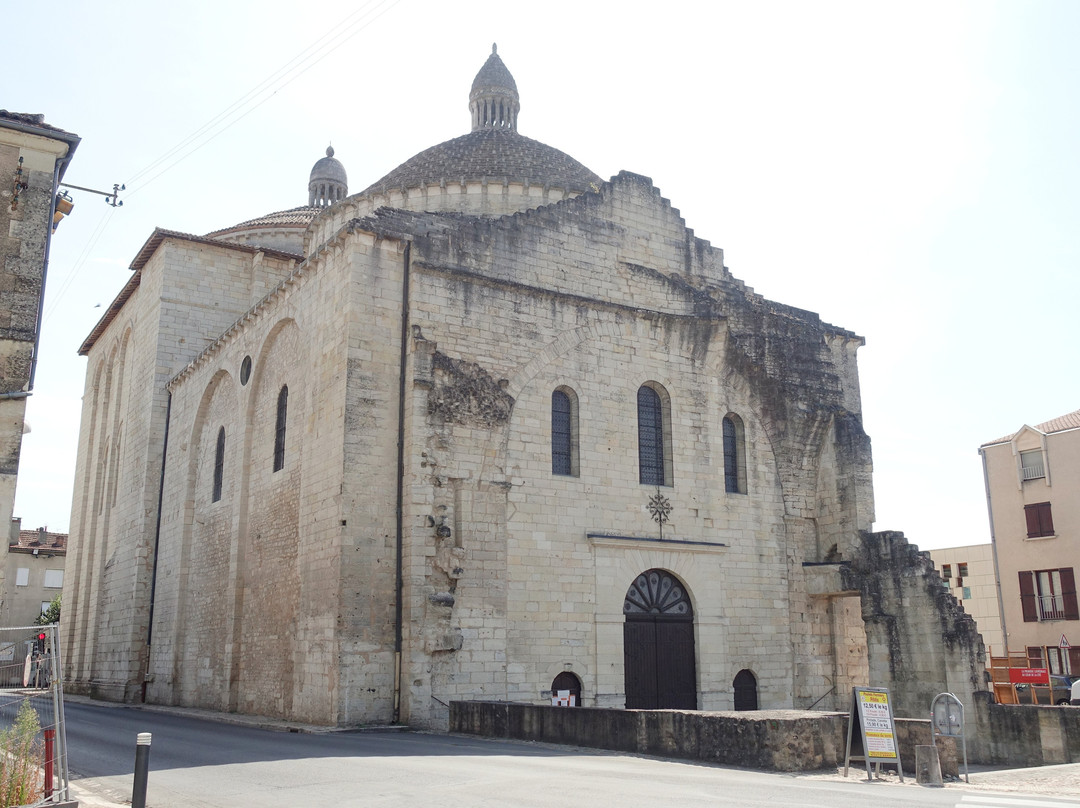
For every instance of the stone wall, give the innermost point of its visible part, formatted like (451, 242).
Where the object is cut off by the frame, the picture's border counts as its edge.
(1023, 734)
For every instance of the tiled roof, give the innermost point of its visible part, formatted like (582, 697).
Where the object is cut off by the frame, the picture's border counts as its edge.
(492, 154)
(32, 540)
(1060, 424)
(300, 217)
(29, 119)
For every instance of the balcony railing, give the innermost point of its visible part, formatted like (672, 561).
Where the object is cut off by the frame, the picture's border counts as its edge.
(1051, 607)
(1032, 472)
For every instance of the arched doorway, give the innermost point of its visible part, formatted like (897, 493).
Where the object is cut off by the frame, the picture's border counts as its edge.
(745, 690)
(569, 684)
(658, 644)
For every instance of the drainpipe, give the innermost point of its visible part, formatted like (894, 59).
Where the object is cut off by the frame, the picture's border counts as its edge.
(993, 549)
(157, 539)
(399, 510)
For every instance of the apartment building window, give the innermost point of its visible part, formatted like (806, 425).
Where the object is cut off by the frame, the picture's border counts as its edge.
(22, 576)
(1039, 521)
(1031, 465)
(946, 571)
(1048, 595)
(961, 570)
(54, 579)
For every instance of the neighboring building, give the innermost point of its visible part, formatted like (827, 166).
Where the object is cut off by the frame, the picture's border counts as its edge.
(967, 573)
(33, 574)
(33, 159)
(489, 428)
(1033, 493)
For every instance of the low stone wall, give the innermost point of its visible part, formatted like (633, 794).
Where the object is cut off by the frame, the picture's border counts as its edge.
(1024, 734)
(772, 740)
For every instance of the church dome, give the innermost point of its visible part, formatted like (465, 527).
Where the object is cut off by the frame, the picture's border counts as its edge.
(493, 152)
(328, 182)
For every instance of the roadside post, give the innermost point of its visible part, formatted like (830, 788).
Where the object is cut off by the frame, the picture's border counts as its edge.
(947, 720)
(142, 766)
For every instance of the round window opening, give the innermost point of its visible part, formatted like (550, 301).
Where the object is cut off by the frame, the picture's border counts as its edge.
(245, 370)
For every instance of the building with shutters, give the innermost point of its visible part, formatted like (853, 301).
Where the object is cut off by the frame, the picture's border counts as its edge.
(491, 428)
(1033, 493)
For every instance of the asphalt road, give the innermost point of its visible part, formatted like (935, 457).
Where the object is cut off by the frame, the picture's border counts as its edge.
(200, 764)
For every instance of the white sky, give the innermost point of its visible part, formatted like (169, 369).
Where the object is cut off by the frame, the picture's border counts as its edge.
(908, 170)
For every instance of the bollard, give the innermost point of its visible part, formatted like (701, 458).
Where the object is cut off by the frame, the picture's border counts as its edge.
(142, 765)
(50, 737)
(928, 766)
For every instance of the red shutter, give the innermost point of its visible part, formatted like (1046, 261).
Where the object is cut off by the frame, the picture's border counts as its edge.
(1027, 597)
(1068, 593)
(1031, 513)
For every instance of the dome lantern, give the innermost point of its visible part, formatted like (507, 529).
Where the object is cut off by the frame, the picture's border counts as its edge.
(493, 100)
(328, 182)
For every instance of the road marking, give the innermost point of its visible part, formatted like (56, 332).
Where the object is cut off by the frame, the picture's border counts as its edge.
(987, 801)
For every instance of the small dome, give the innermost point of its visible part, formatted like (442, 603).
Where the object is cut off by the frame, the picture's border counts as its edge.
(328, 182)
(494, 75)
(493, 99)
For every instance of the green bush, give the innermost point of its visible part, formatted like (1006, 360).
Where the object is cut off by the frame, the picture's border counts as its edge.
(22, 753)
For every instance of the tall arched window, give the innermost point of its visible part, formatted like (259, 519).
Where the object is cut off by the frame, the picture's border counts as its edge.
(564, 439)
(279, 431)
(654, 450)
(734, 455)
(219, 465)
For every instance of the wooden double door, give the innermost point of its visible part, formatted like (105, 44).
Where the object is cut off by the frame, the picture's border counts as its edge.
(658, 644)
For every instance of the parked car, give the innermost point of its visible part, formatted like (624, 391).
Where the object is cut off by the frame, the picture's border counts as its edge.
(1062, 690)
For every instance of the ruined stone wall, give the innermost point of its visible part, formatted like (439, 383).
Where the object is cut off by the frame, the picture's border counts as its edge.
(920, 641)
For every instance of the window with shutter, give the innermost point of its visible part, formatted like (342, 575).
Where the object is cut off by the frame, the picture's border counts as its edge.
(1040, 523)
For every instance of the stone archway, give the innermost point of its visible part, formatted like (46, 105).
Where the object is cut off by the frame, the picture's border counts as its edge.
(660, 670)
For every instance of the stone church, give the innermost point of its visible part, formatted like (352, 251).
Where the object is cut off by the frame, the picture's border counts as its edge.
(491, 428)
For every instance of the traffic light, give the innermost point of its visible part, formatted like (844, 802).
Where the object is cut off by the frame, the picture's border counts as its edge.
(39, 643)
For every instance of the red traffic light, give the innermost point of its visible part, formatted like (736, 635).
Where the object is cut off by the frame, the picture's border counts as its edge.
(41, 636)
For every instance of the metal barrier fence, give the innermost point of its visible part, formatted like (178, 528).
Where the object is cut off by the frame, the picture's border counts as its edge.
(33, 740)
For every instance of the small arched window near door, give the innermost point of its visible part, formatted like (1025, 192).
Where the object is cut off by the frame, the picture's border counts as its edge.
(745, 690)
(566, 690)
(734, 455)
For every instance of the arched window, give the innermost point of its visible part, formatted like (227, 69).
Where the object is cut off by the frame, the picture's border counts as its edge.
(734, 455)
(564, 438)
(219, 465)
(745, 686)
(279, 431)
(654, 449)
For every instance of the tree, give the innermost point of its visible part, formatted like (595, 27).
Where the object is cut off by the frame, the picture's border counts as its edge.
(50, 615)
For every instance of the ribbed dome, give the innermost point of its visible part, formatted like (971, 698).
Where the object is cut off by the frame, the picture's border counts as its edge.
(494, 155)
(493, 151)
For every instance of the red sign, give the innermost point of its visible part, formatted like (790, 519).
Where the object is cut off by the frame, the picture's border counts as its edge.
(1023, 676)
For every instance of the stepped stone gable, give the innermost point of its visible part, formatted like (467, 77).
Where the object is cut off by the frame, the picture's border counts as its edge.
(408, 466)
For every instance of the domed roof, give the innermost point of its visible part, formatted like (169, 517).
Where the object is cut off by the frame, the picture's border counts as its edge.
(494, 155)
(493, 76)
(329, 168)
(493, 150)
